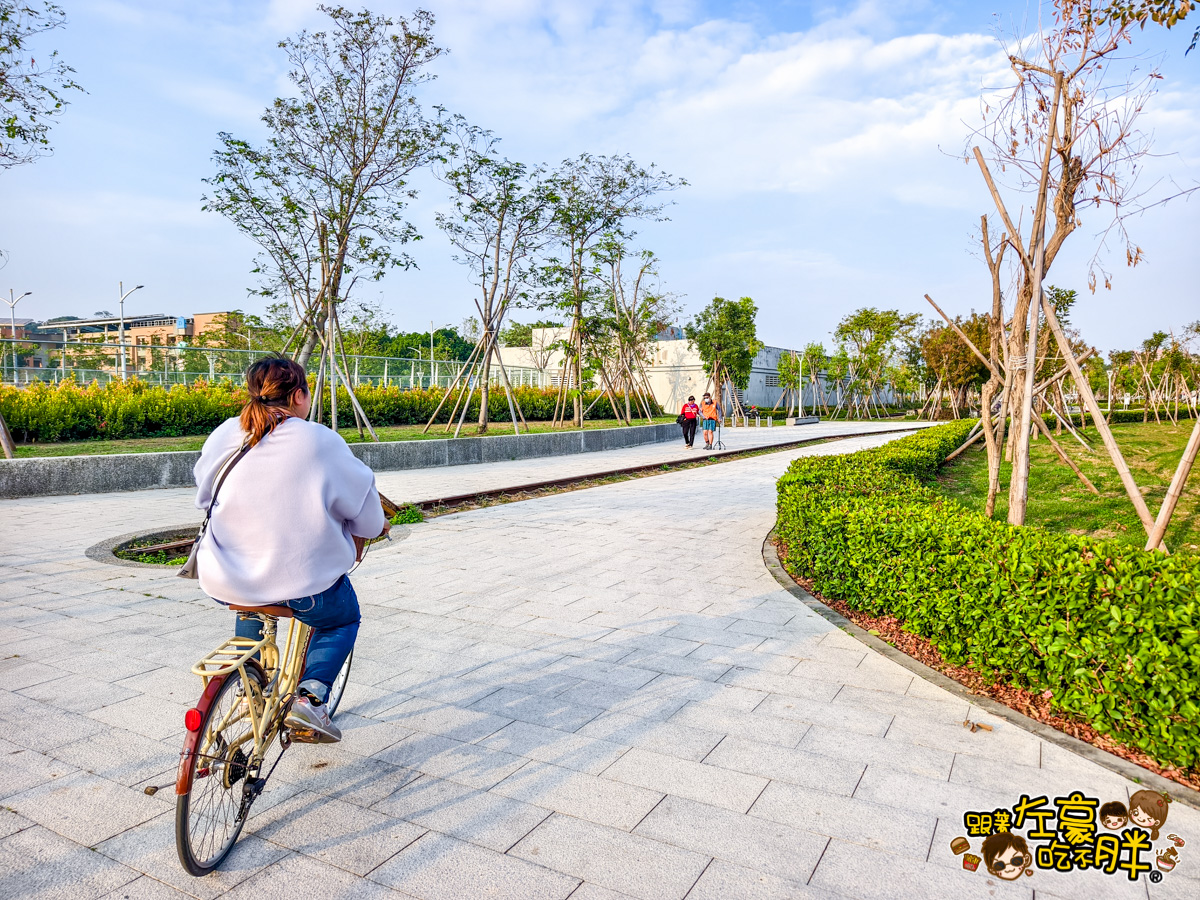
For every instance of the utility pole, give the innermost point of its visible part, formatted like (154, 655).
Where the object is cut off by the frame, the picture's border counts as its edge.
(121, 333)
(12, 324)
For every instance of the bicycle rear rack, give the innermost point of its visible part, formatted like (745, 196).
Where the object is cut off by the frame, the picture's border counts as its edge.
(229, 657)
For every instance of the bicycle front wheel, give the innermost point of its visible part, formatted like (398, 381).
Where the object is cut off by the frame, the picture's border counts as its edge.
(210, 816)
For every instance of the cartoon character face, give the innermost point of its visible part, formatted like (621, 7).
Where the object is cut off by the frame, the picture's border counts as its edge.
(1138, 816)
(1113, 815)
(1148, 809)
(1006, 855)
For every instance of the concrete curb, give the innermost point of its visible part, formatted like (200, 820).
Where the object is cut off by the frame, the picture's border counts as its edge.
(1113, 763)
(56, 475)
(104, 473)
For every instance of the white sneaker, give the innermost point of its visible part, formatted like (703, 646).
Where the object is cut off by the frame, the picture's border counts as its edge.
(310, 723)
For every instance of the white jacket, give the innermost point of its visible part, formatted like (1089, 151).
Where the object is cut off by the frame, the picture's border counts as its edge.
(284, 519)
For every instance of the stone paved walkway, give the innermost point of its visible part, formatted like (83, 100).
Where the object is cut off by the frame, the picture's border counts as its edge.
(599, 695)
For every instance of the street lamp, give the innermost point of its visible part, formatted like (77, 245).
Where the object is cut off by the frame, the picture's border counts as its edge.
(121, 336)
(12, 326)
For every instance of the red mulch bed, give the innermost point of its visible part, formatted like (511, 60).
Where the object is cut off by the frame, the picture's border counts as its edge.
(1036, 706)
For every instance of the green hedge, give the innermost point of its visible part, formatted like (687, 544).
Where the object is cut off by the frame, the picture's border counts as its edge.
(68, 411)
(1111, 630)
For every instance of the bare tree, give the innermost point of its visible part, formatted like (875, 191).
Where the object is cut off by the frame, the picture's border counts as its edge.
(324, 197)
(501, 219)
(596, 200)
(1065, 136)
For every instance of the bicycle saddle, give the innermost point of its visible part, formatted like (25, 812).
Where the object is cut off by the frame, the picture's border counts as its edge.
(279, 612)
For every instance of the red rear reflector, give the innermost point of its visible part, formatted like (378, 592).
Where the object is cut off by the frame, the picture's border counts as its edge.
(191, 720)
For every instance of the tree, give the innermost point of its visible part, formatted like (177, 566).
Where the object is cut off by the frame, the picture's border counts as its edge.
(324, 197)
(500, 220)
(871, 339)
(791, 374)
(31, 95)
(594, 199)
(1167, 13)
(725, 337)
(1065, 136)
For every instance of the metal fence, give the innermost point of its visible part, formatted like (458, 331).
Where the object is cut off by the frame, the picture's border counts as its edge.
(85, 362)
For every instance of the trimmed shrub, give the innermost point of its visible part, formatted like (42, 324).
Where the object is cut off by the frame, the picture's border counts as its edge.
(1112, 631)
(68, 411)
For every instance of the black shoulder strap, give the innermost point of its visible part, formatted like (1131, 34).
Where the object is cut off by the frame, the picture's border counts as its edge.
(225, 470)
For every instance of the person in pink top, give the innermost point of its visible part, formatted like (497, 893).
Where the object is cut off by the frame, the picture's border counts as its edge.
(691, 417)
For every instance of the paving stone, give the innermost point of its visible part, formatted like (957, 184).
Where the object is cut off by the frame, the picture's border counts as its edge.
(623, 862)
(814, 712)
(119, 756)
(759, 844)
(27, 675)
(571, 751)
(834, 776)
(1006, 743)
(150, 717)
(340, 834)
(36, 864)
(150, 848)
(84, 808)
(284, 879)
(77, 693)
(329, 770)
(855, 746)
(785, 685)
(480, 817)
(723, 881)
(11, 823)
(595, 892)
(438, 867)
(669, 738)
(432, 717)
(765, 729)
(868, 874)
(442, 757)
(552, 712)
(145, 888)
(870, 824)
(589, 797)
(23, 769)
(684, 778)
(36, 726)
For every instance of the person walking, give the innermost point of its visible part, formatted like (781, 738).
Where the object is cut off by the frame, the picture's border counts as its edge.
(294, 504)
(691, 417)
(712, 413)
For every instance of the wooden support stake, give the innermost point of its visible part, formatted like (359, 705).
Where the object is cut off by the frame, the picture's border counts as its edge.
(1110, 443)
(1041, 426)
(6, 440)
(976, 434)
(983, 359)
(1176, 489)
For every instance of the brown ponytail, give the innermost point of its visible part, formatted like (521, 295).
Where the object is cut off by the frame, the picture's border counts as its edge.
(271, 382)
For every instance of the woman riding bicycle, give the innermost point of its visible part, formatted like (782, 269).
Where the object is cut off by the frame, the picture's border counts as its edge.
(283, 529)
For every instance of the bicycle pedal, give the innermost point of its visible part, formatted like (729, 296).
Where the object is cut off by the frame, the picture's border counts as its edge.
(305, 736)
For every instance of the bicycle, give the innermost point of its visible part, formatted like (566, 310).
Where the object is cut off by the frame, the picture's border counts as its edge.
(248, 689)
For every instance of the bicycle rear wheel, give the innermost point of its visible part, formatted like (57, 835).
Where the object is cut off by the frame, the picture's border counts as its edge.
(338, 688)
(210, 816)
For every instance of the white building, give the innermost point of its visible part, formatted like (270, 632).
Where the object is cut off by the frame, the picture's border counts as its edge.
(675, 371)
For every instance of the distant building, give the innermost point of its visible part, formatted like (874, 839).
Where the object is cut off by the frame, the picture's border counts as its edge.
(141, 333)
(675, 371)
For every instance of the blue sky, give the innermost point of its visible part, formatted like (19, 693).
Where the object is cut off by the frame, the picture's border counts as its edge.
(821, 141)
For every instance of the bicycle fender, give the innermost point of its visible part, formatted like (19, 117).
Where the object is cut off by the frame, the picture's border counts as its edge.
(183, 776)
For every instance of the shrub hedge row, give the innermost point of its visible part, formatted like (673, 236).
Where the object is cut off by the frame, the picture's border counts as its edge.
(69, 411)
(1111, 630)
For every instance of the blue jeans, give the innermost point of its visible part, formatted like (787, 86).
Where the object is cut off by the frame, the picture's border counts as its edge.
(333, 616)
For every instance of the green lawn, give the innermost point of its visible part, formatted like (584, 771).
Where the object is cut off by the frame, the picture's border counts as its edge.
(1058, 501)
(195, 442)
